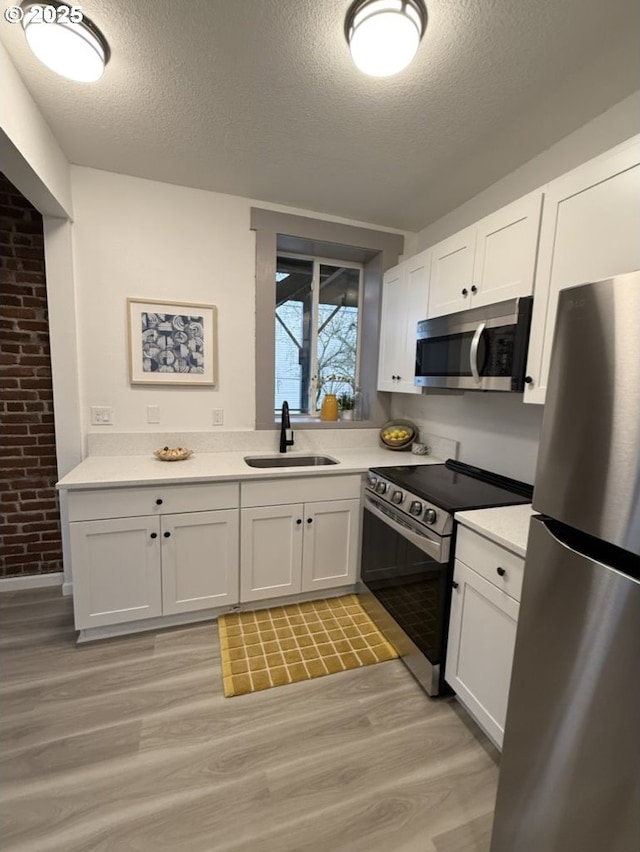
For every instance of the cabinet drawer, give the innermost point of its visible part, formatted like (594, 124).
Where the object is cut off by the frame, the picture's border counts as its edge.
(276, 492)
(485, 557)
(157, 500)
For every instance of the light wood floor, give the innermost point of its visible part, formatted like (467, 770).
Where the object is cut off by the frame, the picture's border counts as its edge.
(129, 744)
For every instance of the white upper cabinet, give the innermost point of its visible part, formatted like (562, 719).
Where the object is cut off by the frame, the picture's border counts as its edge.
(393, 296)
(452, 273)
(590, 230)
(491, 261)
(404, 303)
(506, 249)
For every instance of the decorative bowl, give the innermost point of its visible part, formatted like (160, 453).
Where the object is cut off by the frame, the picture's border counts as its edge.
(173, 454)
(398, 434)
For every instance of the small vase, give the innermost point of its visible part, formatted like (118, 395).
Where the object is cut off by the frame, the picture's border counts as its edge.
(346, 414)
(329, 410)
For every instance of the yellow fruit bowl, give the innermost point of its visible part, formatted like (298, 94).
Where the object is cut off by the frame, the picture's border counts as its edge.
(398, 434)
(173, 454)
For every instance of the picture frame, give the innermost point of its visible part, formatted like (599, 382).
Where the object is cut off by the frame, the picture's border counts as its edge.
(172, 343)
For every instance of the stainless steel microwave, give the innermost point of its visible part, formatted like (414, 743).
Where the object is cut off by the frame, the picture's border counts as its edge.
(482, 349)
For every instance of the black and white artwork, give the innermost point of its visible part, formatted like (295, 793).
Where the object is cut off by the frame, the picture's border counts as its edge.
(171, 344)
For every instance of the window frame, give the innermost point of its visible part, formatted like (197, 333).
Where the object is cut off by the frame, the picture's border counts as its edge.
(280, 233)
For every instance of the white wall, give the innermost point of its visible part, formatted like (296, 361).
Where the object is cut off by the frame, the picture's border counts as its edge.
(495, 431)
(144, 239)
(31, 157)
(140, 238)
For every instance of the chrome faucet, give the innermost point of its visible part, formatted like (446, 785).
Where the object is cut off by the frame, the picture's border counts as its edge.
(286, 432)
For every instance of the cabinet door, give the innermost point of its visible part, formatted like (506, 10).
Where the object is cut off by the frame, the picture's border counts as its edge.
(330, 550)
(590, 228)
(452, 273)
(506, 251)
(116, 570)
(270, 551)
(416, 296)
(200, 560)
(482, 634)
(391, 327)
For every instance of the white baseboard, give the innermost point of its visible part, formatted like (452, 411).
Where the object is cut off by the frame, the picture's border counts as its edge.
(67, 589)
(30, 581)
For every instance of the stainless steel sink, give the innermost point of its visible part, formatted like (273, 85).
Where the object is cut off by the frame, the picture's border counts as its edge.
(288, 461)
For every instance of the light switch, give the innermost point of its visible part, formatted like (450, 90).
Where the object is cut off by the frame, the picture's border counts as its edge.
(153, 414)
(218, 416)
(101, 415)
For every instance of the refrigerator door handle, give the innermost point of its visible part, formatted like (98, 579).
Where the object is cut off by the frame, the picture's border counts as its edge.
(473, 355)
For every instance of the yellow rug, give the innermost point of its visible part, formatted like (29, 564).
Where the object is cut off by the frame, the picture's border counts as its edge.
(287, 644)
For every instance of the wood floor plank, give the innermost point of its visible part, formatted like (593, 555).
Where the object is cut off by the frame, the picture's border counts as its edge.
(473, 836)
(27, 597)
(41, 609)
(23, 666)
(71, 753)
(399, 815)
(49, 694)
(130, 744)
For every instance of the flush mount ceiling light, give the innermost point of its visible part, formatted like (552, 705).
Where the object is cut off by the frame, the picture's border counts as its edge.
(384, 35)
(65, 40)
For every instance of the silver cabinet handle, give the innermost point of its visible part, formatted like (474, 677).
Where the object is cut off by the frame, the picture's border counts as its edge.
(473, 355)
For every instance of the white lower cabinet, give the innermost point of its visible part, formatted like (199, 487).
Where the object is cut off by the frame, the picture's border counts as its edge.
(128, 568)
(116, 571)
(299, 547)
(270, 551)
(140, 553)
(330, 545)
(482, 629)
(298, 535)
(200, 560)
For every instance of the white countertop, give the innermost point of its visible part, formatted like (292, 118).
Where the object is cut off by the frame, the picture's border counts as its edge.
(105, 471)
(506, 525)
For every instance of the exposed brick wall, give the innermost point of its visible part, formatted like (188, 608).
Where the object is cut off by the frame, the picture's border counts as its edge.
(29, 514)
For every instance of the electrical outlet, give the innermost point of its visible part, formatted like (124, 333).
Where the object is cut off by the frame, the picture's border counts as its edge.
(218, 417)
(101, 415)
(153, 414)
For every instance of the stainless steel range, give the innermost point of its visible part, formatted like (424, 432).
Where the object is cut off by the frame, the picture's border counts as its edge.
(408, 535)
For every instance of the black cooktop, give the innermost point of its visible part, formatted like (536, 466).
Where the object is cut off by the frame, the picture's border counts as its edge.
(455, 486)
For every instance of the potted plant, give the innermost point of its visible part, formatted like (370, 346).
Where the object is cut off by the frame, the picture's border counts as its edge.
(346, 403)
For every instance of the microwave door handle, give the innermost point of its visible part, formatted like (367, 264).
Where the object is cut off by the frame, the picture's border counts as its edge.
(473, 355)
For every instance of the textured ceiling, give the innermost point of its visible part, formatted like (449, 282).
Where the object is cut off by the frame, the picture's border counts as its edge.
(259, 98)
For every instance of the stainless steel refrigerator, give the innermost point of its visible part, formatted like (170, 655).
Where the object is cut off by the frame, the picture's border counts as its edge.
(570, 769)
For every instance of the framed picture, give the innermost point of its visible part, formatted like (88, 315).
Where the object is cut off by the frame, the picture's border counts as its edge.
(172, 343)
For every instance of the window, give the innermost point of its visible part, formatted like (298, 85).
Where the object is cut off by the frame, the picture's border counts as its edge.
(339, 250)
(316, 330)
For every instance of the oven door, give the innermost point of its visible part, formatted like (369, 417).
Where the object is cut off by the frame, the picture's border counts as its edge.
(405, 570)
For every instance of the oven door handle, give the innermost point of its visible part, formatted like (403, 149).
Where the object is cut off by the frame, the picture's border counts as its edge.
(437, 550)
(473, 355)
